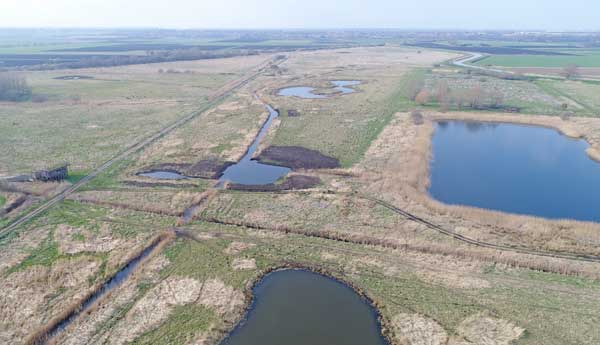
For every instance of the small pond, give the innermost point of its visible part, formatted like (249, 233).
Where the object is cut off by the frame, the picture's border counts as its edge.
(298, 307)
(342, 85)
(514, 168)
(249, 171)
(300, 91)
(308, 92)
(164, 175)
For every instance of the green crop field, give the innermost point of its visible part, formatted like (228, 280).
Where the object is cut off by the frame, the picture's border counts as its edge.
(582, 59)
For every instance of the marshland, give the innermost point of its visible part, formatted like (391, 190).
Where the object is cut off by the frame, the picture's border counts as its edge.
(299, 188)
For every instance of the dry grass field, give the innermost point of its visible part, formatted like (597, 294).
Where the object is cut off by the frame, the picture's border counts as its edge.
(430, 288)
(194, 292)
(343, 126)
(86, 121)
(54, 261)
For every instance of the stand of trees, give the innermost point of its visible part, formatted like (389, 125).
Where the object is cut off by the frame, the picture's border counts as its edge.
(13, 87)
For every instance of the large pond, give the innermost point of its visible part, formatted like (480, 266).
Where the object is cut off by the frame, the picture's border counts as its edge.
(297, 307)
(249, 171)
(514, 168)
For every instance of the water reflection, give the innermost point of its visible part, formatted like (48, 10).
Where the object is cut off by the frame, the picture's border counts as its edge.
(514, 168)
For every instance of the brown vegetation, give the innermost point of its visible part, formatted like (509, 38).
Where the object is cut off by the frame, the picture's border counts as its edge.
(296, 157)
(293, 182)
(397, 168)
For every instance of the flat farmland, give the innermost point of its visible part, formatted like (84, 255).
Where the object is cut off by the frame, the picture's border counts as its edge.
(88, 115)
(582, 58)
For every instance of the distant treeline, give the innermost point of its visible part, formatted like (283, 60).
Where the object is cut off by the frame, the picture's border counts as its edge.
(72, 61)
(150, 57)
(487, 49)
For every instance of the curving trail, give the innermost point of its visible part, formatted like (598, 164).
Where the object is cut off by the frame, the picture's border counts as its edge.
(465, 62)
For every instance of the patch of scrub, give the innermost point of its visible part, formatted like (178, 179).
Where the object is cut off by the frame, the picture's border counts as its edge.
(415, 329)
(484, 329)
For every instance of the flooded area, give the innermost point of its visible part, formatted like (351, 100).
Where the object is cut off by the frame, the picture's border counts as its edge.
(251, 172)
(308, 92)
(300, 91)
(342, 85)
(164, 175)
(298, 307)
(514, 168)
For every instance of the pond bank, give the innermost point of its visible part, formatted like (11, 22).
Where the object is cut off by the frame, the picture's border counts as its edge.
(382, 324)
(397, 167)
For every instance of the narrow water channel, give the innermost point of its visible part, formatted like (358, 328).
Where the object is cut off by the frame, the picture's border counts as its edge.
(117, 280)
(514, 168)
(298, 307)
(251, 172)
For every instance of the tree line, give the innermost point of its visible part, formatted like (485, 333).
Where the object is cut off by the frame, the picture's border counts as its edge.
(14, 87)
(475, 97)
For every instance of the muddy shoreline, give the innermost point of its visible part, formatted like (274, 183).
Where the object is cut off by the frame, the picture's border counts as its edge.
(383, 323)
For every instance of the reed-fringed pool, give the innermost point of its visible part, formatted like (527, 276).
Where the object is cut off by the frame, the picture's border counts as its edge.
(514, 168)
(298, 307)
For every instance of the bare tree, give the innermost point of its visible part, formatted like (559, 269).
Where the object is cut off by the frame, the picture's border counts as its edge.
(13, 87)
(476, 97)
(496, 99)
(443, 95)
(414, 86)
(422, 97)
(571, 72)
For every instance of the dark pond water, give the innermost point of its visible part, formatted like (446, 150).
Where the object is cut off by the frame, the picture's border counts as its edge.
(342, 85)
(514, 168)
(300, 91)
(249, 171)
(297, 307)
(164, 175)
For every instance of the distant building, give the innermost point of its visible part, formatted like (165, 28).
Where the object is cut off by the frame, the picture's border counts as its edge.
(57, 174)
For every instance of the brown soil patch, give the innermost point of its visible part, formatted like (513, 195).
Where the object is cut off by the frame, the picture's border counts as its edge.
(208, 168)
(235, 247)
(414, 329)
(296, 157)
(155, 307)
(483, 329)
(293, 182)
(243, 264)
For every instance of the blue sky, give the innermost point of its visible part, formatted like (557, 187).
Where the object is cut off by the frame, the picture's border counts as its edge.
(414, 14)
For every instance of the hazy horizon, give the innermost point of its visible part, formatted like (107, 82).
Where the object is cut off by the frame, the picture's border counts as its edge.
(519, 15)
